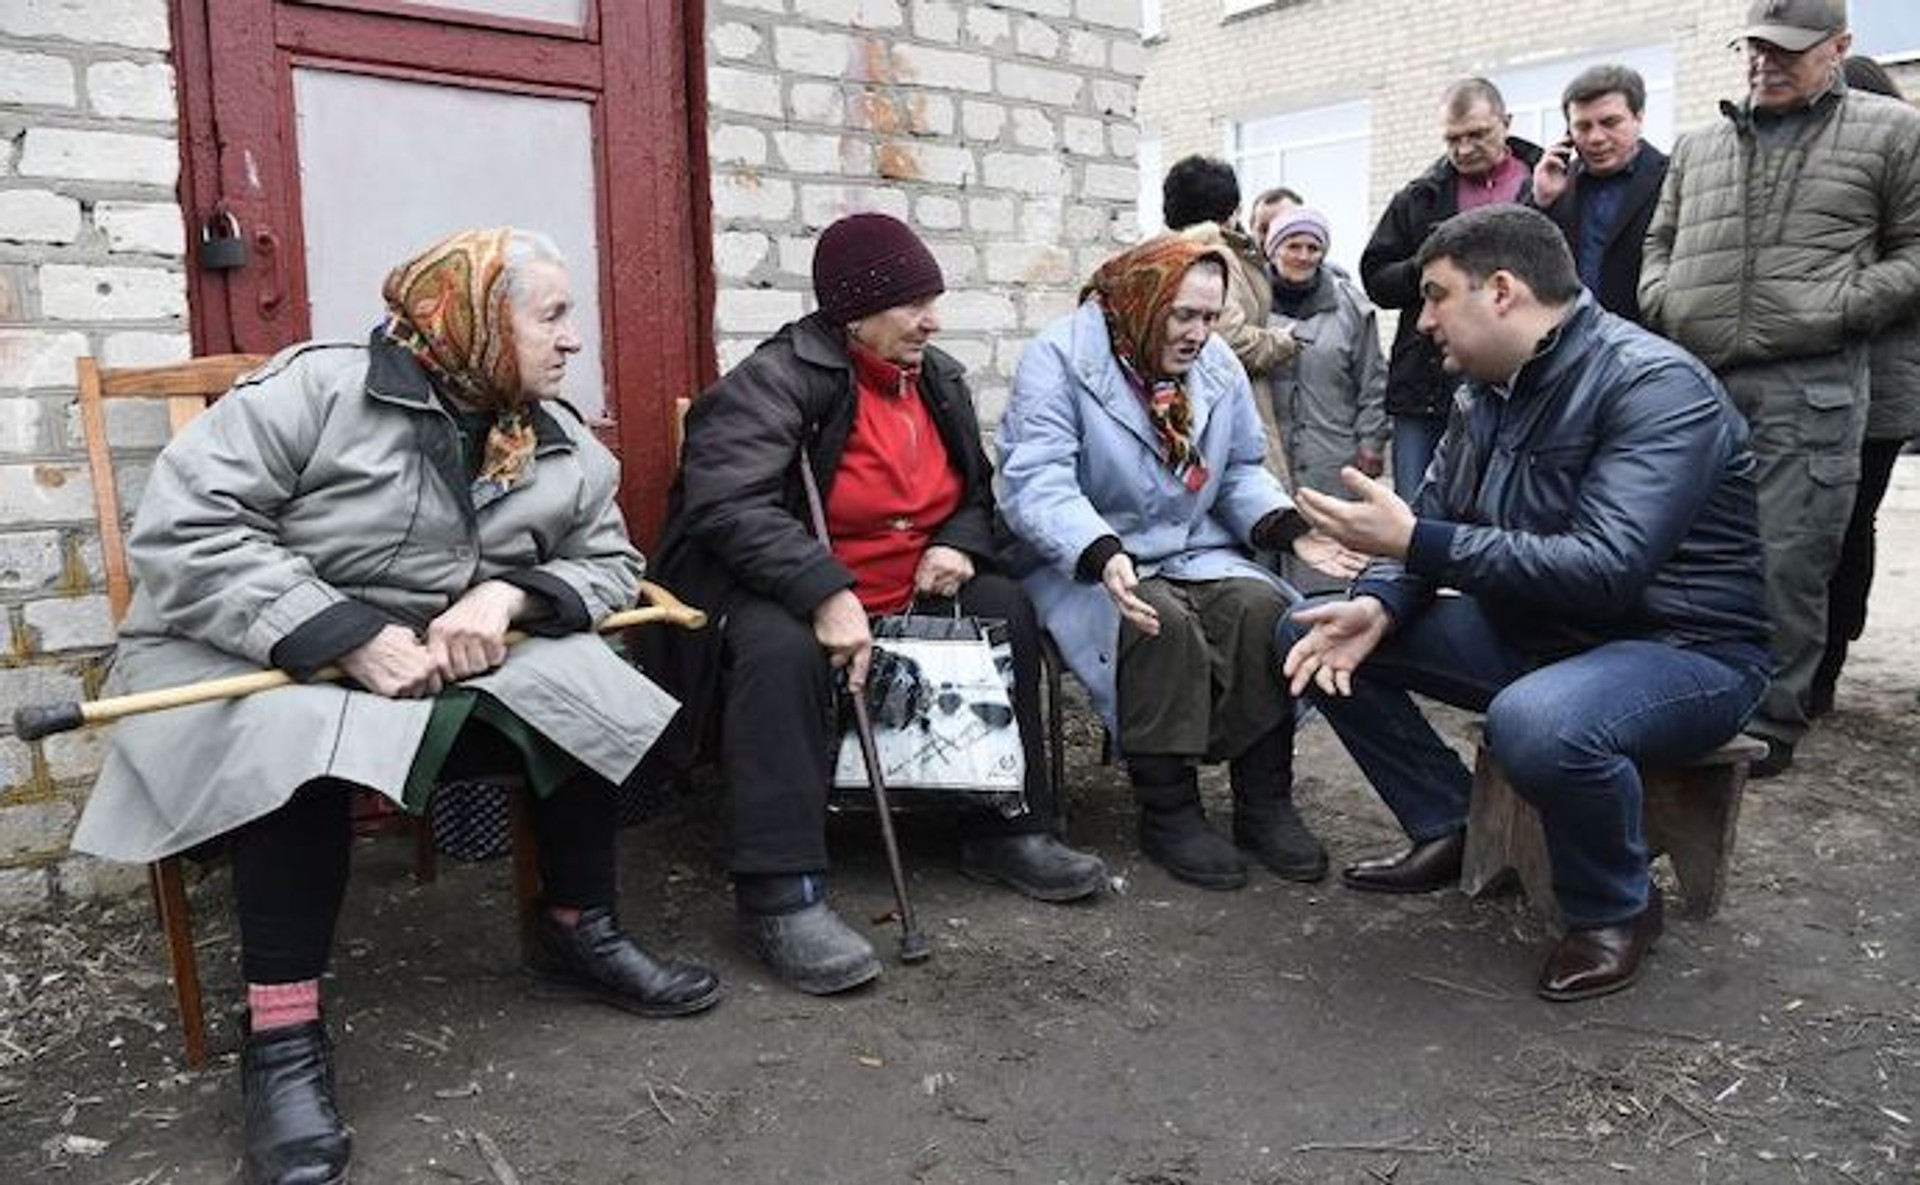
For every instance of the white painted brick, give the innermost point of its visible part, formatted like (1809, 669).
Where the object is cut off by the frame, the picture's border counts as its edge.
(977, 312)
(1041, 308)
(90, 878)
(796, 255)
(810, 152)
(1087, 49)
(934, 163)
(20, 686)
(1089, 259)
(987, 27)
(1124, 139)
(943, 68)
(773, 6)
(131, 424)
(23, 890)
(752, 197)
(735, 350)
(736, 254)
(1025, 172)
(144, 347)
(1083, 136)
(939, 211)
(1129, 57)
(993, 215)
(754, 310)
(152, 228)
(141, 24)
(990, 402)
(860, 14)
(874, 111)
(817, 102)
(805, 51)
(1033, 129)
(735, 144)
(38, 215)
(48, 493)
(982, 121)
(733, 41)
(744, 92)
(1120, 183)
(20, 421)
(971, 353)
(36, 828)
(1039, 84)
(1036, 39)
(1114, 98)
(30, 561)
(929, 114)
(132, 90)
(1087, 224)
(1040, 7)
(959, 263)
(76, 292)
(99, 156)
(73, 623)
(36, 79)
(1118, 14)
(936, 20)
(1028, 263)
(31, 358)
(823, 205)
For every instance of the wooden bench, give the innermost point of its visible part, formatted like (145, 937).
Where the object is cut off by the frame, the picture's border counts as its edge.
(1689, 812)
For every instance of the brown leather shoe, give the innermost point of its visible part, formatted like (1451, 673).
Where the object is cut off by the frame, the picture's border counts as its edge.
(1589, 963)
(1426, 866)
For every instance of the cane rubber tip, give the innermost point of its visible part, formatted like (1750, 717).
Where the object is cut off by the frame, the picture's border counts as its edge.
(914, 948)
(34, 721)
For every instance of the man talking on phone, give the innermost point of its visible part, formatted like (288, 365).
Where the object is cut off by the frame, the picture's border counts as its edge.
(1601, 182)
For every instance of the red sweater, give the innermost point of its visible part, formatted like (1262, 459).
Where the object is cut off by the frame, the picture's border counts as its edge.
(895, 486)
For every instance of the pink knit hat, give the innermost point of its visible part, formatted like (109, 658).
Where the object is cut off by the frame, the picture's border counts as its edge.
(1301, 220)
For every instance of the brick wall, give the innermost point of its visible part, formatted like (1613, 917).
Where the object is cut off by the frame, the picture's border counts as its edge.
(90, 263)
(1002, 132)
(1207, 73)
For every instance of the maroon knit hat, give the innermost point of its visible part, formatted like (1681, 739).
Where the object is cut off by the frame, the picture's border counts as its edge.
(866, 263)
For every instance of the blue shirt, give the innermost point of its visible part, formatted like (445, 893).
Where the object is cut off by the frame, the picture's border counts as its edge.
(1599, 212)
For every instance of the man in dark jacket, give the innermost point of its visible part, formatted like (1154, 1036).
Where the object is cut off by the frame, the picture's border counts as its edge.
(1601, 183)
(1593, 502)
(1483, 165)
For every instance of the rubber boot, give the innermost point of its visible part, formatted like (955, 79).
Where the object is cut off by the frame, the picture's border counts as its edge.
(1173, 827)
(1265, 823)
(786, 921)
(293, 1130)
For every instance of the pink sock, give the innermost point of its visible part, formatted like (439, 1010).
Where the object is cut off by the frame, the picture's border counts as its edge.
(278, 1005)
(567, 915)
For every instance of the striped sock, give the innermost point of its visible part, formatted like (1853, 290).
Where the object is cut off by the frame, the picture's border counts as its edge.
(279, 1005)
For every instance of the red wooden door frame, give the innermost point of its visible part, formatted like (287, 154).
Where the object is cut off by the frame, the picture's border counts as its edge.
(647, 79)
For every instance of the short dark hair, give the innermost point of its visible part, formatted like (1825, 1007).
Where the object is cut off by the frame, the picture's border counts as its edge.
(1865, 74)
(1506, 237)
(1460, 97)
(1199, 189)
(1597, 82)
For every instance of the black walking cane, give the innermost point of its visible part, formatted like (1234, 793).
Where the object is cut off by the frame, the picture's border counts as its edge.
(914, 947)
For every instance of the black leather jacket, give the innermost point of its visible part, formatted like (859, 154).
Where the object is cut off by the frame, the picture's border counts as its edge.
(1609, 496)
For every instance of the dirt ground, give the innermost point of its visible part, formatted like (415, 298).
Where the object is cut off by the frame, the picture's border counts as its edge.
(1160, 1035)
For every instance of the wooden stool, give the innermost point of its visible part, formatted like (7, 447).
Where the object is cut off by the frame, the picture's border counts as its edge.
(1689, 813)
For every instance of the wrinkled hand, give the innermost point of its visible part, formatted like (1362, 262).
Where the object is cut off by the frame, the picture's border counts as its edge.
(470, 637)
(1379, 523)
(840, 626)
(1121, 582)
(393, 663)
(1324, 554)
(1344, 634)
(1369, 461)
(941, 571)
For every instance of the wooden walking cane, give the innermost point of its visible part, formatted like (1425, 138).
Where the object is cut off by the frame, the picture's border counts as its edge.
(914, 947)
(35, 721)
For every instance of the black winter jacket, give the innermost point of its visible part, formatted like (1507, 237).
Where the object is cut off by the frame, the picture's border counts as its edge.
(1620, 261)
(1416, 383)
(737, 516)
(1610, 496)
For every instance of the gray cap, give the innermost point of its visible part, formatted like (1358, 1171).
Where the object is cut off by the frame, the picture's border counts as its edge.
(1794, 25)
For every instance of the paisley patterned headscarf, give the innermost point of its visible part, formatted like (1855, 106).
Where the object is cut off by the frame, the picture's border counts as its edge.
(448, 307)
(1136, 290)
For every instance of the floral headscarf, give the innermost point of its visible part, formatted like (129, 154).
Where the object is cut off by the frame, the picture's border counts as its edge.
(1136, 290)
(448, 307)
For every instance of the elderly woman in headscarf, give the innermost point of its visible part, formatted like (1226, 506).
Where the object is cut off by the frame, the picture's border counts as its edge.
(1132, 469)
(392, 509)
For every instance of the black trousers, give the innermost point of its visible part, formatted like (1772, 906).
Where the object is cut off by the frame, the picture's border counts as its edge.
(290, 867)
(1852, 578)
(778, 734)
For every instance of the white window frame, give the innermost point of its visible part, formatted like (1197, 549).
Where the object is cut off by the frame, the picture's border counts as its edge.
(1258, 148)
(1532, 91)
(1877, 29)
(1150, 156)
(1151, 26)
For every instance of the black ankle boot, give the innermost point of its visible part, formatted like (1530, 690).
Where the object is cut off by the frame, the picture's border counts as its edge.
(1173, 828)
(1265, 823)
(293, 1131)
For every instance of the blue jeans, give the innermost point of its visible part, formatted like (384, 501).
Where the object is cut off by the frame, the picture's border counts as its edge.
(1568, 733)
(1414, 440)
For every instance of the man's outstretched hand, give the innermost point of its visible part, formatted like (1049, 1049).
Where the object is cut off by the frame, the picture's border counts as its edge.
(1379, 522)
(1344, 633)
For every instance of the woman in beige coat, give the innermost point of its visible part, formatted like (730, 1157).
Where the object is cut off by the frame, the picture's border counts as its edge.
(392, 509)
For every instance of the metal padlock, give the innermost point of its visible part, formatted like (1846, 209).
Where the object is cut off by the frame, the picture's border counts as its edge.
(221, 247)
